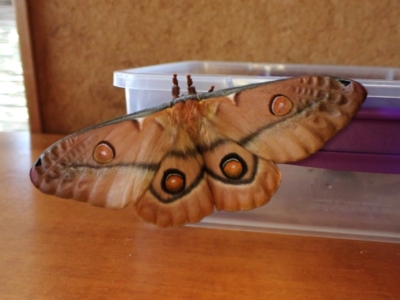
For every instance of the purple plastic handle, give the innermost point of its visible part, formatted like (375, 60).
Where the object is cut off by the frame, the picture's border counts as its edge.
(370, 143)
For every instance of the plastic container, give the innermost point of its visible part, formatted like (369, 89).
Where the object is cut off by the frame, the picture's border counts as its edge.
(310, 201)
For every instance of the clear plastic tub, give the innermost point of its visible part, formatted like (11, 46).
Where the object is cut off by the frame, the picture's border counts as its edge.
(340, 200)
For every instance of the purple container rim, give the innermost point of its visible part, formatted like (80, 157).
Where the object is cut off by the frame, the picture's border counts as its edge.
(354, 162)
(379, 113)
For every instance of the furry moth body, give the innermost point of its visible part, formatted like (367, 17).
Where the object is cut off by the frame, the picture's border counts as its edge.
(178, 161)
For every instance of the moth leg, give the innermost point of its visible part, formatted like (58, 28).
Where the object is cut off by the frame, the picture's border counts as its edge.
(191, 88)
(175, 87)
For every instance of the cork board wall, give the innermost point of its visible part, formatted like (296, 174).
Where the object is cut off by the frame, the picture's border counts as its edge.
(78, 44)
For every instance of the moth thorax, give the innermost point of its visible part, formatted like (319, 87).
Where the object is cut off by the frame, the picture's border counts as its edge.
(187, 115)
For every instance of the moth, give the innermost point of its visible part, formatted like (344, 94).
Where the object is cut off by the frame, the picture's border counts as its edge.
(178, 161)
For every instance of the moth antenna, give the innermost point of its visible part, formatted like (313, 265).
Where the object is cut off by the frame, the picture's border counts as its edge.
(211, 89)
(175, 79)
(191, 88)
(189, 80)
(175, 87)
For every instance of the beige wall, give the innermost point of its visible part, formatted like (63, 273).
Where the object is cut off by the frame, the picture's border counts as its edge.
(78, 44)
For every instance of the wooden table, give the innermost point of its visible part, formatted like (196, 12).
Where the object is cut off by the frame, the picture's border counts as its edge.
(60, 249)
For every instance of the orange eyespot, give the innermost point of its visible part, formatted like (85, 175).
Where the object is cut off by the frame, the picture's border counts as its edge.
(103, 153)
(173, 181)
(281, 105)
(233, 168)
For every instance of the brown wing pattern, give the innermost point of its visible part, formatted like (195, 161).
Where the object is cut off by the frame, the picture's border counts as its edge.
(179, 192)
(321, 106)
(68, 168)
(252, 186)
(206, 181)
(176, 164)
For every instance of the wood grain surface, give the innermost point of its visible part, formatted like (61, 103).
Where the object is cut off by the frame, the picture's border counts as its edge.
(60, 249)
(78, 44)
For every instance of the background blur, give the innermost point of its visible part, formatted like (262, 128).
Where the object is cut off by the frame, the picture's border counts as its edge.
(13, 111)
(76, 45)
